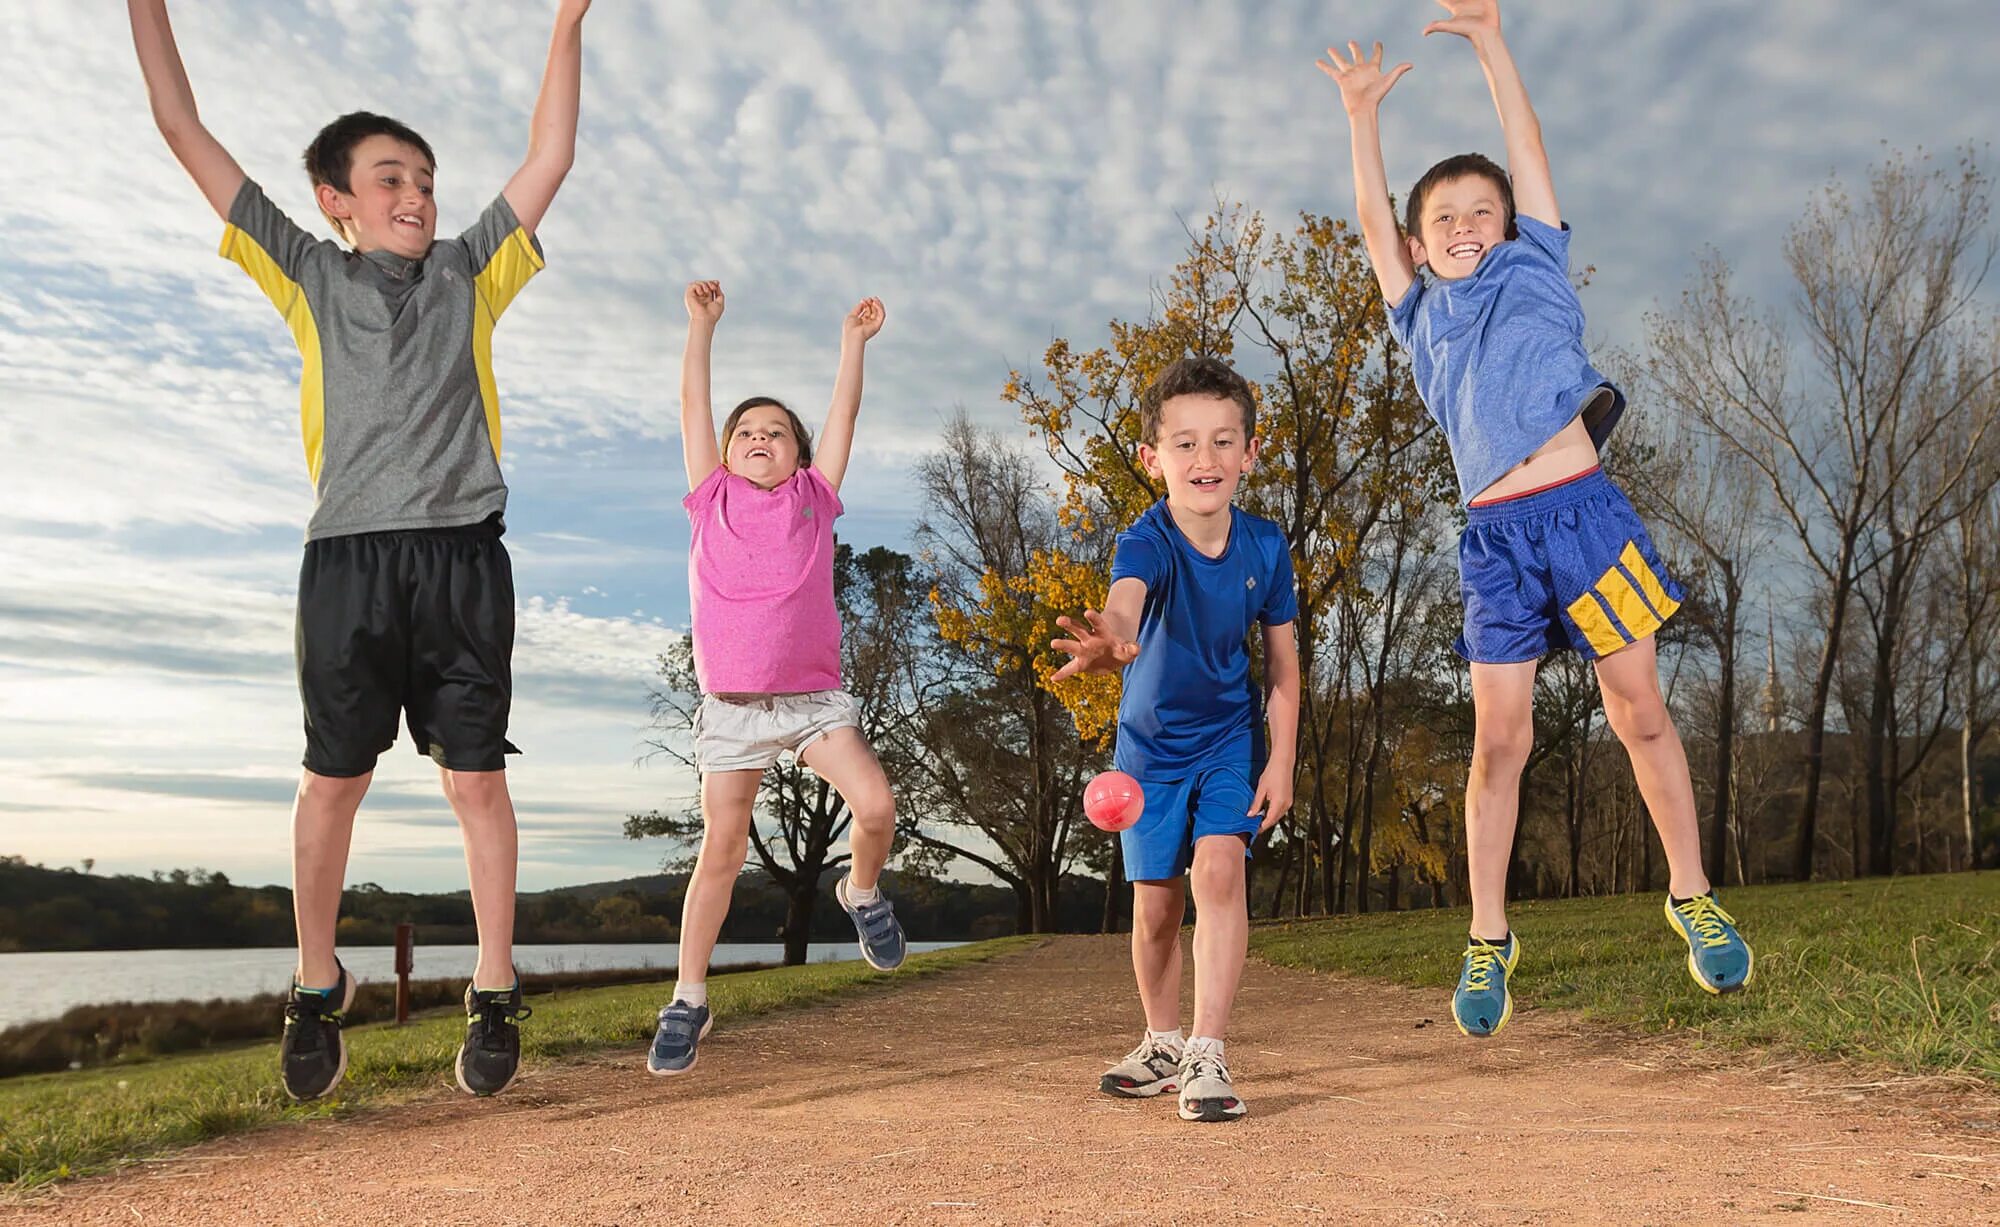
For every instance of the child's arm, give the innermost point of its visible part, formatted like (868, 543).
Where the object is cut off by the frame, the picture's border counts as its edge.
(206, 161)
(836, 438)
(699, 451)
(1107, 644)
(552, 132)
(1363, 85)
(1281, 712)
(1478, 21)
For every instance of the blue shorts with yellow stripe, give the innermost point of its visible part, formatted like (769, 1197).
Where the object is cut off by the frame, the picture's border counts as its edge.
(1566, 567)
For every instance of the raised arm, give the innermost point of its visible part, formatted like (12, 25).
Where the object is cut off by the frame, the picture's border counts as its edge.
(213, 170)
(836, 438)
(1107, 641)
(699, 451)
(552, 132)
(1478, 22)
(1363, 85)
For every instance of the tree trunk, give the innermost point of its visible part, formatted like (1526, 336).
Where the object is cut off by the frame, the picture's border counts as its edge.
(1965, 784)
(1725, 744)
(801, 893)
(1114, 893)
(1802, 853)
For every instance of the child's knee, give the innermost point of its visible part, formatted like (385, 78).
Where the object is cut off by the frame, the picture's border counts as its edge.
(1638, 721)
(874, 813)
(1501, 751)
(1157, 915)
(1217, 875)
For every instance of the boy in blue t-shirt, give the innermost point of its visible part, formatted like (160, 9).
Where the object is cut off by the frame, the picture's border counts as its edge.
(1553, 555)
(1188, 582)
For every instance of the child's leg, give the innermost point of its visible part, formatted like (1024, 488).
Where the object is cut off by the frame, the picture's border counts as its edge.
(1221, 930)
(486, 821)
(726, 801)
(1157, 910)
(844, 759)
(322, 827)
(1503, 713)
(1633, 706)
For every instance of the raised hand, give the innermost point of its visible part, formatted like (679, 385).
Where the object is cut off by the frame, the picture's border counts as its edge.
(1094, 650)
(864, 321)
(1362, 82)
(704, 301)
(1469, 18)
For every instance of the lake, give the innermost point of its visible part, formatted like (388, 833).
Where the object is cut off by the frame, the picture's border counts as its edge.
(44, 985)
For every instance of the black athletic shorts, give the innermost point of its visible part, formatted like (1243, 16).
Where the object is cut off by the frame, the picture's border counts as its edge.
(418, 622)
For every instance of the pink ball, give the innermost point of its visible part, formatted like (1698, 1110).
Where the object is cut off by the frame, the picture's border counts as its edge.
(1113, 801)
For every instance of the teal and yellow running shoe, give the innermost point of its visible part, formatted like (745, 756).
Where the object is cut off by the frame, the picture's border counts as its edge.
(1482, 1005)
(1718, 957)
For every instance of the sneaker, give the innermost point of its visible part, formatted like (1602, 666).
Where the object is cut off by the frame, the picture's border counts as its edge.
(1718, 957)
(490, 1058)
(1482, 1005)
(1206, 1091)
(675, 1044)
(313, 1054)
(1147, 1070)
(875, 923)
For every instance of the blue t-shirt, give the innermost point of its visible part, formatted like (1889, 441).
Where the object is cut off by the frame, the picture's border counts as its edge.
(1189, 698)
(1498, 356)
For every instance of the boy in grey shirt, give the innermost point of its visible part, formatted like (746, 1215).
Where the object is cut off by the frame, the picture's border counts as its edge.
(406, 597)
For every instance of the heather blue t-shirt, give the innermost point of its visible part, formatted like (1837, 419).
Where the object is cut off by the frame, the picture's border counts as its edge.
(1498, 356)
(1189, 698)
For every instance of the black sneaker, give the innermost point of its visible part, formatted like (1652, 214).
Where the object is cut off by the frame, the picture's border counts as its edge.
(490, 1058)
(313, 1055)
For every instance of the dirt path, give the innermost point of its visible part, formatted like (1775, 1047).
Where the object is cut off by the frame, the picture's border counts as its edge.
(971, 1098)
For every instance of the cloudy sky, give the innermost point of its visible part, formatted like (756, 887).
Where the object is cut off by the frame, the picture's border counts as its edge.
(998, 173)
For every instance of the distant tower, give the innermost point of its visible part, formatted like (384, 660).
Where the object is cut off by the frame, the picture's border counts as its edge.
(1774, 692)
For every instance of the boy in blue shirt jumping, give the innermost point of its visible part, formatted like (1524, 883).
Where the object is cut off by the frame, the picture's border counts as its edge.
(1189, 581)
(1553, 555)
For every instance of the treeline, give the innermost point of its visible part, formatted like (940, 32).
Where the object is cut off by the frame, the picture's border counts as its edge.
(1819, 472)
(74, 909)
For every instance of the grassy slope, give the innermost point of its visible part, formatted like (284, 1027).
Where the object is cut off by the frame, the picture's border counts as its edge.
(1898, 970)
(54, 1126)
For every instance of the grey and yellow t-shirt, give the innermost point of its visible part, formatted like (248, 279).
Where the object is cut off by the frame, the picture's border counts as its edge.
(396, 396)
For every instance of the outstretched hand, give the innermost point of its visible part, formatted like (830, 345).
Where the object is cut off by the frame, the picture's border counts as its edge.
(704, 301)
(864, 321)
(1094, 650)
(1362, 82)
(1469, 18)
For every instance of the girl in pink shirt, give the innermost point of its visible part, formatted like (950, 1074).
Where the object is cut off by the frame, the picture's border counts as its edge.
(767, 651)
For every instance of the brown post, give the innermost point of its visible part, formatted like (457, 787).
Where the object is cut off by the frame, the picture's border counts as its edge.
(406, 940)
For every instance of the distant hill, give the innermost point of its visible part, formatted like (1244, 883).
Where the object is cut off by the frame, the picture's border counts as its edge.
(66, 909)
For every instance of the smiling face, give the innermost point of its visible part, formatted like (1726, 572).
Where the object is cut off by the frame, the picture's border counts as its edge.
(389, 204)
(763, 446)
(1462, 219)
(1200, 452)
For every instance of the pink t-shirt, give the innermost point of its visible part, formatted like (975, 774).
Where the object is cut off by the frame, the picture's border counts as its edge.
(760, 576)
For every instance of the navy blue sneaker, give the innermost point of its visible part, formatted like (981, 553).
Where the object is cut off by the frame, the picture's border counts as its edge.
(490, 1058)
(1718, 957)
(1482, 1004)
(875, 924)
(677, 1042)
(313, 1054)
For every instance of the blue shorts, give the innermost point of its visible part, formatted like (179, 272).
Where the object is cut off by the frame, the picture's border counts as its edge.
(1212, 799)
(1566, 567)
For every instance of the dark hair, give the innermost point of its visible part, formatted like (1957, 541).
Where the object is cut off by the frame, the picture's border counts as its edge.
(330, 157)
(1203, 376)
(798, 428)
(1458, 166)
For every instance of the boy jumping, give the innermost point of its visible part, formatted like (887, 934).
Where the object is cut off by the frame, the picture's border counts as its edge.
(1188, 582)
(1553, 555)
(406, 596)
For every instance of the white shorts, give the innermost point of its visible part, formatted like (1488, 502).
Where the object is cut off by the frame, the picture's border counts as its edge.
(748, 732)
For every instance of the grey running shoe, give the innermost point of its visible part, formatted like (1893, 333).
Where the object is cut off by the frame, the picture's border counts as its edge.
(1206, 1092)
(675, 1044)
(313, 1054)
(490, 1057)
(875, 924)
(1146, 1071)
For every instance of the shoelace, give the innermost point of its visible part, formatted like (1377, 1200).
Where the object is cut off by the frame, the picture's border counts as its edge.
(495, 1013)
(1203, 1065)
(1707, 918)
(1480, 960)
(1149, 1050)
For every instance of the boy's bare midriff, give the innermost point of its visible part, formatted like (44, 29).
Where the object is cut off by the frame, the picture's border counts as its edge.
(1569, 453)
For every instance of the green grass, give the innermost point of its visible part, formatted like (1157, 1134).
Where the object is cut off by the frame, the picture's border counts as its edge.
(1901, 971)
(56, 1126)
